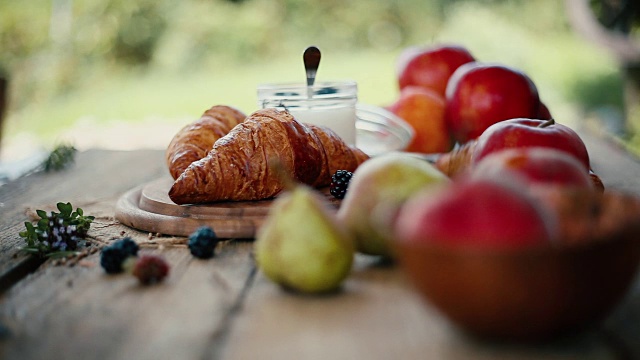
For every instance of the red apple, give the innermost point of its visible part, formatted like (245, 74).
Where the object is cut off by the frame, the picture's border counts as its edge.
(543, 112)
(430, 67)
(479, 213)
(537, 166)
(423, 109)
(516, 133)
(479, 95)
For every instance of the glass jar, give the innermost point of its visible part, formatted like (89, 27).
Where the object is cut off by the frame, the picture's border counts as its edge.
(330, 104)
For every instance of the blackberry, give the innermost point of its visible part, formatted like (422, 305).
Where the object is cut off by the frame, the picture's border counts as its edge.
(339, 183)
(202, 242)
(113, 256)
(127, 245)
(150, 269)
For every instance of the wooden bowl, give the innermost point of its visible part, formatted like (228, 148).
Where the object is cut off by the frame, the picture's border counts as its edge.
(529, 294)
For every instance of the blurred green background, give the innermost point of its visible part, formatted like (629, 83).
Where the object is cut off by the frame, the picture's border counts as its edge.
(161, 63)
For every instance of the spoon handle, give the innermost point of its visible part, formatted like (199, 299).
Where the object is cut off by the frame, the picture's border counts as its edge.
(311, 58)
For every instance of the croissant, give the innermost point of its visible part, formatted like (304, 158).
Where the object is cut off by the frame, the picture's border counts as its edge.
(194, 141)
(239, 165)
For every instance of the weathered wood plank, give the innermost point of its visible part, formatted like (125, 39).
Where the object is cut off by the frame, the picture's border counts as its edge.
(64, 312)
(376, 316)
(97, 175)
(619, 170)
(80, 312)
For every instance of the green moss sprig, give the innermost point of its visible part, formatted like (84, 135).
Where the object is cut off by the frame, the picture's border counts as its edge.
(60, 157)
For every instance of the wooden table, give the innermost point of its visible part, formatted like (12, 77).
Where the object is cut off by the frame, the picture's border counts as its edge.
(223, 307)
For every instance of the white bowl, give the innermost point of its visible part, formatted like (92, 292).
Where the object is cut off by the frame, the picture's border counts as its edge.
(379, 131)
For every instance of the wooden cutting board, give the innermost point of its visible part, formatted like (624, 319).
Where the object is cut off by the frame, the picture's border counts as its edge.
(148, 208)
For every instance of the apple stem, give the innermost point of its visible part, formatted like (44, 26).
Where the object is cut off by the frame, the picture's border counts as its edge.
(547, 123)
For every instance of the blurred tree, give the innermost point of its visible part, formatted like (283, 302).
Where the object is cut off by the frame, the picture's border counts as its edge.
(619, 15)
(614, 24)
(23, 29)
(142, 24)
(52, 47)
(4, 85)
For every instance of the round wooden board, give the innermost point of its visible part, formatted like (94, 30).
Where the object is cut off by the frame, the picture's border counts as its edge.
(148, 208)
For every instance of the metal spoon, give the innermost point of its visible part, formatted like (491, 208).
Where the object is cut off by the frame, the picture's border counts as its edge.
(311, 58)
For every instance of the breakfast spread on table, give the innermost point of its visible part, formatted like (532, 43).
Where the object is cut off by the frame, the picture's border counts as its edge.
(490, 180)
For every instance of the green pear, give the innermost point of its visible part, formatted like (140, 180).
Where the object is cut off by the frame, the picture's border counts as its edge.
(376, 192)
(301, 246)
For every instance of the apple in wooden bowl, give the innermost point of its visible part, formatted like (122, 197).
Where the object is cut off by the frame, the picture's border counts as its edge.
(479, 95)
(501, 265)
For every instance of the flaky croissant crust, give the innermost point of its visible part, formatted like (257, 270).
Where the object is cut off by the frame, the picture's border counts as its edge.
(239, 167)
(194, 141)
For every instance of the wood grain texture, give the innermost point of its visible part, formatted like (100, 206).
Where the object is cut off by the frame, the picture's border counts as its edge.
(149, 208)
(82, 313)
(621, 171)
(96, 176)
(154, 198)
(130, 213)
(376, 315)
(618, 169)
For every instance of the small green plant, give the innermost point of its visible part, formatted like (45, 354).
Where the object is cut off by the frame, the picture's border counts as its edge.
(57, 233)
(62, 156)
